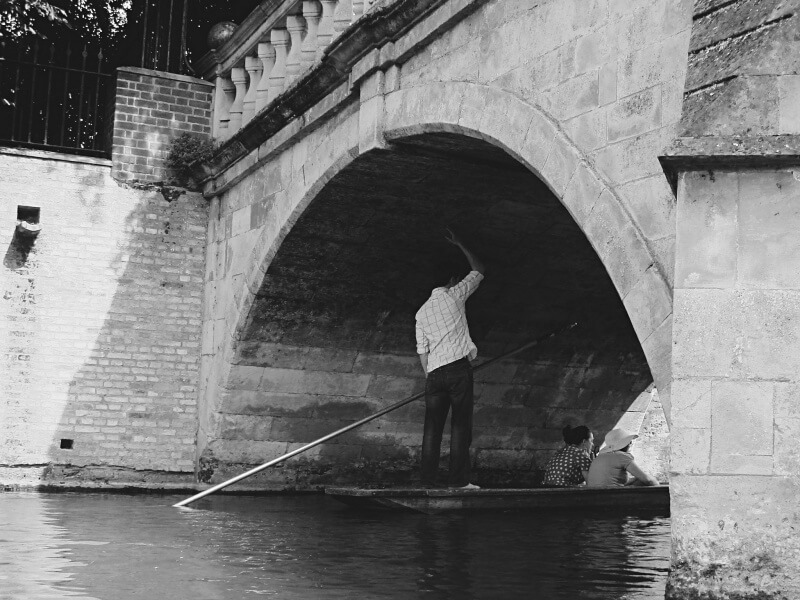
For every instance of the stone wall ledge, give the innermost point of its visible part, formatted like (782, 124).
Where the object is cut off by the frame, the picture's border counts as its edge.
(703, 153)
(384, 24)
(55, 156)
(166, 75)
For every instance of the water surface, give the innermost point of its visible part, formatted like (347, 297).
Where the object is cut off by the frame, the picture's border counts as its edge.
(116, 547)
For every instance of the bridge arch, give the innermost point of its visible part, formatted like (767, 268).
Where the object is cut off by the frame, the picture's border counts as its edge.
(534, 139)
(441, 112)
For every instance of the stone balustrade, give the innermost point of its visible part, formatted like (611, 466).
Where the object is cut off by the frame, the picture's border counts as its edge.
(263, 68)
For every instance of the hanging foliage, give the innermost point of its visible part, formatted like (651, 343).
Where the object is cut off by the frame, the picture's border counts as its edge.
(98, 21)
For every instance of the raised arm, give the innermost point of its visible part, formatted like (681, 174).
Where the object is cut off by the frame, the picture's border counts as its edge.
(475, 263)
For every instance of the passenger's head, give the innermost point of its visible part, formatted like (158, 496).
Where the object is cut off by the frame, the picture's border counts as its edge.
(618, 439)
(576, 436)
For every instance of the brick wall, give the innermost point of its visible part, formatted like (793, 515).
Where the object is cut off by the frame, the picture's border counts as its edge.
(151, 109)
(99, 326)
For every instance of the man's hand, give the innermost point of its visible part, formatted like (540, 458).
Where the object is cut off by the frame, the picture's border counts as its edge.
(452, 238)
(474, 263)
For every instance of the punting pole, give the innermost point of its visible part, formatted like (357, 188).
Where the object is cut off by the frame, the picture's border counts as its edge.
(380, 413)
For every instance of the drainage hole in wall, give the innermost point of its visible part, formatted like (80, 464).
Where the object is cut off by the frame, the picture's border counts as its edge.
(66, 444)
(28, 213)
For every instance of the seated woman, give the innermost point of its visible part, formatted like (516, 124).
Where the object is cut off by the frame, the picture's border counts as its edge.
(570, 464)
(614, 464)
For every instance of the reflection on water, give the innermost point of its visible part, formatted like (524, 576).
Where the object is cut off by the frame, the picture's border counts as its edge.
(116, 547)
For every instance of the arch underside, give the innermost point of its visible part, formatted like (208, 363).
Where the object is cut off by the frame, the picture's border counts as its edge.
(338, 300)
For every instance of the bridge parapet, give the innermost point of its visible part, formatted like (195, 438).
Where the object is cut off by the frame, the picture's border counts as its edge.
(277, 44)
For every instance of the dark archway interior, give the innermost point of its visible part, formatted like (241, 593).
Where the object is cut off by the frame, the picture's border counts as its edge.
(366, 253)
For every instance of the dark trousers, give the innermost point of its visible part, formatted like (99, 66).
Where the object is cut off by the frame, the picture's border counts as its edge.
(446, 387)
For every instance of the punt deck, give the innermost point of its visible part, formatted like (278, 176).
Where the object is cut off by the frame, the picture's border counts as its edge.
(432, 501)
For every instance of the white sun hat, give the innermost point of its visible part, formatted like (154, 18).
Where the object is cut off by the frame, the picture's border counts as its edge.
(617, 439)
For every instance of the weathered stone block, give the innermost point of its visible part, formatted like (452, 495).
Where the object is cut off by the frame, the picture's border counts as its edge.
(506, 120)
(241, 220)
(245, 378)
(768, 244)
(652, 205)
(607, 84)
(539, 143)
(691, 403)
(705, 319)
(370, 123)
(640, 70)
(742, 417)
(531, 78)
(505, 460)
(658, 350)
(304, 430)
(648, 303)
(473, 106)
(239, 427)
(635, 114)
(500, 393)
(595, 49)
(618, 244)
(247, 402)
(330, 359)
(573, 97)
(589, 130)
(715, 532)
(560, 166)
(690, 450)
(787, 400)
(581, 193)
(387, 364)
(789, 104)
(631, 158)
(500, 49)
(394, 388)
(247, 452)
(786, 459)
(313, 382)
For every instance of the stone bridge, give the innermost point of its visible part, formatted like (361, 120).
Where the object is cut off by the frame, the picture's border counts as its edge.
(329, 207)
(626, 165)
(632, 166)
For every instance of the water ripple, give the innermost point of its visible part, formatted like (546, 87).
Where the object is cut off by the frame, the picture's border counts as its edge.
(117, 547)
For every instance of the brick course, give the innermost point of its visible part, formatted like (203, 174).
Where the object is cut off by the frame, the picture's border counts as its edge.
(151, 109)
(99, 326)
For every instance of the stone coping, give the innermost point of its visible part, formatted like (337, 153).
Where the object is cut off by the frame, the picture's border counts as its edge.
(165, 75)
(731, 152)
(384, 24)
(56, 156)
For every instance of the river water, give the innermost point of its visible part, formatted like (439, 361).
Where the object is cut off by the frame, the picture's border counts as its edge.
(119, 547)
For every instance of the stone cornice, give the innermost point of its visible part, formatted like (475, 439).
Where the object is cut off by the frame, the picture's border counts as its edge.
(384, 24)
(729, 152)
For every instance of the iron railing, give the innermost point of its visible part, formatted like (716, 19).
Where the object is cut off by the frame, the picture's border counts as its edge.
(56, 97)
(156, 35)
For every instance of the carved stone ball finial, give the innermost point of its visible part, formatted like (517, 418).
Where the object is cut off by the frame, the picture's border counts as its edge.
(220, 33)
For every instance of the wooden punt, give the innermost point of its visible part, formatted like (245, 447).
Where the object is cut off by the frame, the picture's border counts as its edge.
(632, 499)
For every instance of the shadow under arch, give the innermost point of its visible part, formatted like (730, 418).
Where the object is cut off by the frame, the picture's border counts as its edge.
(329, 312)
(534, 139)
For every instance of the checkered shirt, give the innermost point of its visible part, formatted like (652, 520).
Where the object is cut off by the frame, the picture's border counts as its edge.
(442, 330)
